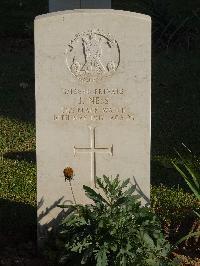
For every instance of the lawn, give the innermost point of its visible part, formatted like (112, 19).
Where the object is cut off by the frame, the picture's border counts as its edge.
(175, 111)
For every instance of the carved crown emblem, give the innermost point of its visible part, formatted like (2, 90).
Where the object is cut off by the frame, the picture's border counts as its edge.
(92, 56)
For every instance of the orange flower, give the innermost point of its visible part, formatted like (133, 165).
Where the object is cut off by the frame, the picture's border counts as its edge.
(68, 173)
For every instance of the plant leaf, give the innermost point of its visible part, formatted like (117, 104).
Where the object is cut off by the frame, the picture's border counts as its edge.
(194, 175)
(93, 195)
(130, 191)
(192, 234)
(187, 180)
(125, 183)
(198, 214)
(102, 257)
(120, 201)
(87, 254)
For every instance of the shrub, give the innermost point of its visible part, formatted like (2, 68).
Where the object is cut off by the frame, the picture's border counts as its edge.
(189, 169)
(114, 230)
(174, 208)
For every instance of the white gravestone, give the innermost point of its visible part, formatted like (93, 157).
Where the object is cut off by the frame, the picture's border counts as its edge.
(58, 5)
(92, 101)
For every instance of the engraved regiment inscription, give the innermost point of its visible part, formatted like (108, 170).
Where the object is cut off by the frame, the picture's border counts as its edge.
(93, 55)
(94, 105)
(90, 57)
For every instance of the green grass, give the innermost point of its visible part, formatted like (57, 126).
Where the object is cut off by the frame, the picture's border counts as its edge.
(17, 144)
(17, 125)
(16, 135)
(17, 161)
(18, 181)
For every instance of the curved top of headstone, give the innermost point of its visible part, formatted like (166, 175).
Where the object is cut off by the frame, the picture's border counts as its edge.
(96, 11)
(93, 74)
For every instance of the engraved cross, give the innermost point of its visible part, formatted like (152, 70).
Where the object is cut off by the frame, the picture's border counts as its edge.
(93, 150)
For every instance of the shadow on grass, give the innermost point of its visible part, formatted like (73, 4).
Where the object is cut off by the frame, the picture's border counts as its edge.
(29, 156)
(17, 223)
(17, 82)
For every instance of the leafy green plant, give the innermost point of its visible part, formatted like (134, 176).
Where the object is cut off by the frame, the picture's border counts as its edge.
(114, 230)
(190, 171)
(175, 209)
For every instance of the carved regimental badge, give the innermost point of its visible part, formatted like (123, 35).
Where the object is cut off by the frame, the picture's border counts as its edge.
(92, 56)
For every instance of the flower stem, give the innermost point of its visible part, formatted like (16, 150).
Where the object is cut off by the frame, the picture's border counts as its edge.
(72, 192)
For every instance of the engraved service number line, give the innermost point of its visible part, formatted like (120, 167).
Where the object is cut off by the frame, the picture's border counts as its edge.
(93, 150)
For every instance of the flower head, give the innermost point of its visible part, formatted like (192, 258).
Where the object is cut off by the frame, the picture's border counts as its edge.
(68, 173)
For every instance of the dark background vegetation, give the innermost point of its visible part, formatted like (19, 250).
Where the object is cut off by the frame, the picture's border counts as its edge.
(175, 101)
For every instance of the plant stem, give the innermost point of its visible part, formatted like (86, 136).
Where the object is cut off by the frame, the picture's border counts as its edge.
(72, 192)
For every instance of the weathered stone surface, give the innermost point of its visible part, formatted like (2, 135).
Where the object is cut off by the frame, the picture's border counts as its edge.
(92, 101)
(58, 5)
